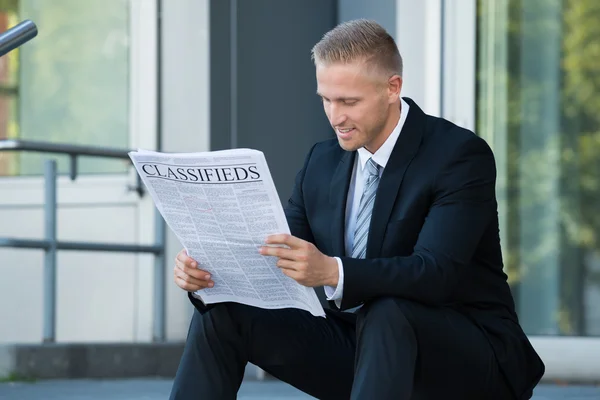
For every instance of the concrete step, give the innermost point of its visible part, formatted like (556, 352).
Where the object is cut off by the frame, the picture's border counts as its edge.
(95, 361)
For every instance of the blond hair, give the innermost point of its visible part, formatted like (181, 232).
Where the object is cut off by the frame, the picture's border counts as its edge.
(359, 40)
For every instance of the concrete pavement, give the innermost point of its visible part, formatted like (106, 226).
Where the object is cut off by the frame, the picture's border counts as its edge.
(158, 389)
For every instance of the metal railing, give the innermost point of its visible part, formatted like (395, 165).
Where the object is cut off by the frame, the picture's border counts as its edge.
(50, 244)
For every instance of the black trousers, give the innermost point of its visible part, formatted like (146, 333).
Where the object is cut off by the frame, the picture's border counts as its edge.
(389, 349)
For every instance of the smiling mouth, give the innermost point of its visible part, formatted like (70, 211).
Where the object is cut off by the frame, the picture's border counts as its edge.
(344, 133)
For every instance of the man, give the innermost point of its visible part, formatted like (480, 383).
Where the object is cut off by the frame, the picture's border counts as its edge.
(397, 219)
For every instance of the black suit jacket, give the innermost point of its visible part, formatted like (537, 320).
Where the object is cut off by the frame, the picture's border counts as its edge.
(434, 235)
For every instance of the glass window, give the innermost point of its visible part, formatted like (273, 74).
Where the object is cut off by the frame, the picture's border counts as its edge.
(538, 105)
(70, 84)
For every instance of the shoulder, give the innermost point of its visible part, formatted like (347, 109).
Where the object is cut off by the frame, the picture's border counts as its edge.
(450, 141)
(329, 146)
(326, 152)
(442, 139)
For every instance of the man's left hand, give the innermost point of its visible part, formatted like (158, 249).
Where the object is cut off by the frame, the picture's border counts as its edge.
(302, 261)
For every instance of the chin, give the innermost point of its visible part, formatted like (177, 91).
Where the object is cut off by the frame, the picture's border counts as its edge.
(348, 146)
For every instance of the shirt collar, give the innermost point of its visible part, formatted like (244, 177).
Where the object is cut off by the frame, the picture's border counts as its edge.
(382, 155)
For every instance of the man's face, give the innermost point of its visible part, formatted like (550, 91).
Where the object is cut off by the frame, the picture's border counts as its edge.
(358, 104)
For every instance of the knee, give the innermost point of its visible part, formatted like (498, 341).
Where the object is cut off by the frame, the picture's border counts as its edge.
(231, 317)
(212, 320)
(224, 309)
(386, 308)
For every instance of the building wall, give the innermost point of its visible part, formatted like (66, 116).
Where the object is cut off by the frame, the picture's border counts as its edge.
(264, 88)
(382, 11)
(234, 76)
(186, 118)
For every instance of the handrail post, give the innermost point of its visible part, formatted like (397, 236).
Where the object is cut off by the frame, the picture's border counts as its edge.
(159, 334)
(50, 254)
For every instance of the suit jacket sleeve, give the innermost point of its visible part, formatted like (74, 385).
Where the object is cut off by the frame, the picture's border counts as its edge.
(463, 205)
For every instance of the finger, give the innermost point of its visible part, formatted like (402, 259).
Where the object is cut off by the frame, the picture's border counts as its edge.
(185, 259)
(291, 273)
(187, 286)
(187, 278)
(280, 252)
(287, 264)
(284, 238)
(193, 271)
(184, 283)
(191, 281)
(196, 272)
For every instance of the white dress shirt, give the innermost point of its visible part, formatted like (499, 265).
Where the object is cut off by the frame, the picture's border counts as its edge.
(381, 157)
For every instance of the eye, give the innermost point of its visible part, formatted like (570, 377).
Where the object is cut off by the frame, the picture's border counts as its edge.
(350, 102)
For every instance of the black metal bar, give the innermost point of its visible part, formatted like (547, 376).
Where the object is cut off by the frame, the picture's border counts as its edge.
(17, 35)
(49, 325)
(8, 90)
(159, 293)
(139, 186)
(60, 148)
(73, 169)
(24, 243)
(123, 248)
(83, 246)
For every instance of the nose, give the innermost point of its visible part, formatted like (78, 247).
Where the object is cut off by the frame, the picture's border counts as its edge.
(336, 115)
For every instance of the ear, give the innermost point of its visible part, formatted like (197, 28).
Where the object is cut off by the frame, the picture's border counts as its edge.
(394, 88)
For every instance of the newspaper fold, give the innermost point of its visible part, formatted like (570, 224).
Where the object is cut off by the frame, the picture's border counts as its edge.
(222, 205)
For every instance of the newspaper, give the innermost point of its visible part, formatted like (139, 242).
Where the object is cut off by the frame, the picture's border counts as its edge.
(222, 205)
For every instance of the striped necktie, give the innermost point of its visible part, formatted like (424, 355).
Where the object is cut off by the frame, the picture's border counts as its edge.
(363, 219)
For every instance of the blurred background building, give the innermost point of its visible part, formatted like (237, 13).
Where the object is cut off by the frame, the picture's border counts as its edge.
(196, 75)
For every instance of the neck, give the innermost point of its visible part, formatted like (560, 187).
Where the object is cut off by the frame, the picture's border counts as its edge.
(388, 128)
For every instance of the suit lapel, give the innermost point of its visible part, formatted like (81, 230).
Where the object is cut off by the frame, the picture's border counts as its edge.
(338, 194)
(404, 151)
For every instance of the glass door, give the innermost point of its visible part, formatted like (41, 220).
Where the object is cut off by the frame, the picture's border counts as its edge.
(538, 96)
(524, 75)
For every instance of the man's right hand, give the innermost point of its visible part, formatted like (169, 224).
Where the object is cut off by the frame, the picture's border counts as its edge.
(188, 276)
